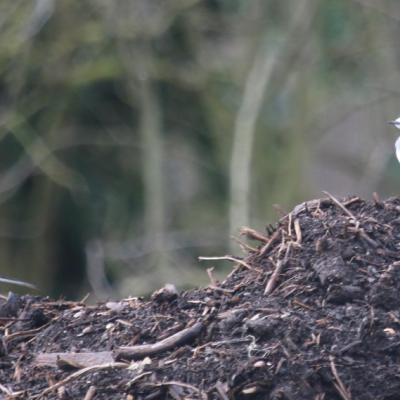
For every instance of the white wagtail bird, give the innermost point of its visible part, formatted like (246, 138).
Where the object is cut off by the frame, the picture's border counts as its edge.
(396, 123)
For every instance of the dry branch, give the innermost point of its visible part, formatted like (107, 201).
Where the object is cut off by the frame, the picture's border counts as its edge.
(228, 258)
(143, 350)
(271, 284)
(253, 234)
(340, 205)
(80, 360)
(297, 229)
(343, 391)
(272, 239)
(91, 392)
(78, 374)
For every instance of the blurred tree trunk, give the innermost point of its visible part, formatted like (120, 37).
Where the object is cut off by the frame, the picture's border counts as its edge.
(243, 137)
(152, 165)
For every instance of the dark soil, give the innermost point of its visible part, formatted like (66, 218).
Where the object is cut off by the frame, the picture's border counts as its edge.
(312, 312)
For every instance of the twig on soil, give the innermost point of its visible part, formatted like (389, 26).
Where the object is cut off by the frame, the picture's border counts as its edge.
(358, 230)
(301, 304)
(223, 290)
(279, 365)
(138, 377)
(349, 346)
(377, 200)
(220, 387)
(283, 245)
(272, 280)
(365, 236)
(90, 393)
(306, 206)
(270, 242)
(24, 334)
(351, 201)
(10, 394)
(78, 374)
(181, 384)
(228, 258)
(278, 268)
(143, 350)
(344, 393)
(129, 352)
(13, 319)
(84, 298)
(221, 343)
(211, 276)
(252, 234)
(297, 229)
(244, 246)
(79, 360)
(340, 205)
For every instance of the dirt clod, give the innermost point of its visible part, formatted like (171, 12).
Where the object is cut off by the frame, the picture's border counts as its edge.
(312, 312)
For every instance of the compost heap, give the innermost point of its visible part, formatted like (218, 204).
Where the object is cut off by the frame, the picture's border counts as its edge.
(312, 312)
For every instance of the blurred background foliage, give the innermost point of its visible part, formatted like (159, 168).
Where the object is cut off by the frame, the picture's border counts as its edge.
(139, 134)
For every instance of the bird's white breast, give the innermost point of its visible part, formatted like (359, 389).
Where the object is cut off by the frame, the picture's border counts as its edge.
(397, 146)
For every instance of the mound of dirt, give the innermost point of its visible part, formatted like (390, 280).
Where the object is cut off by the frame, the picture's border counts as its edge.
(312, 312)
